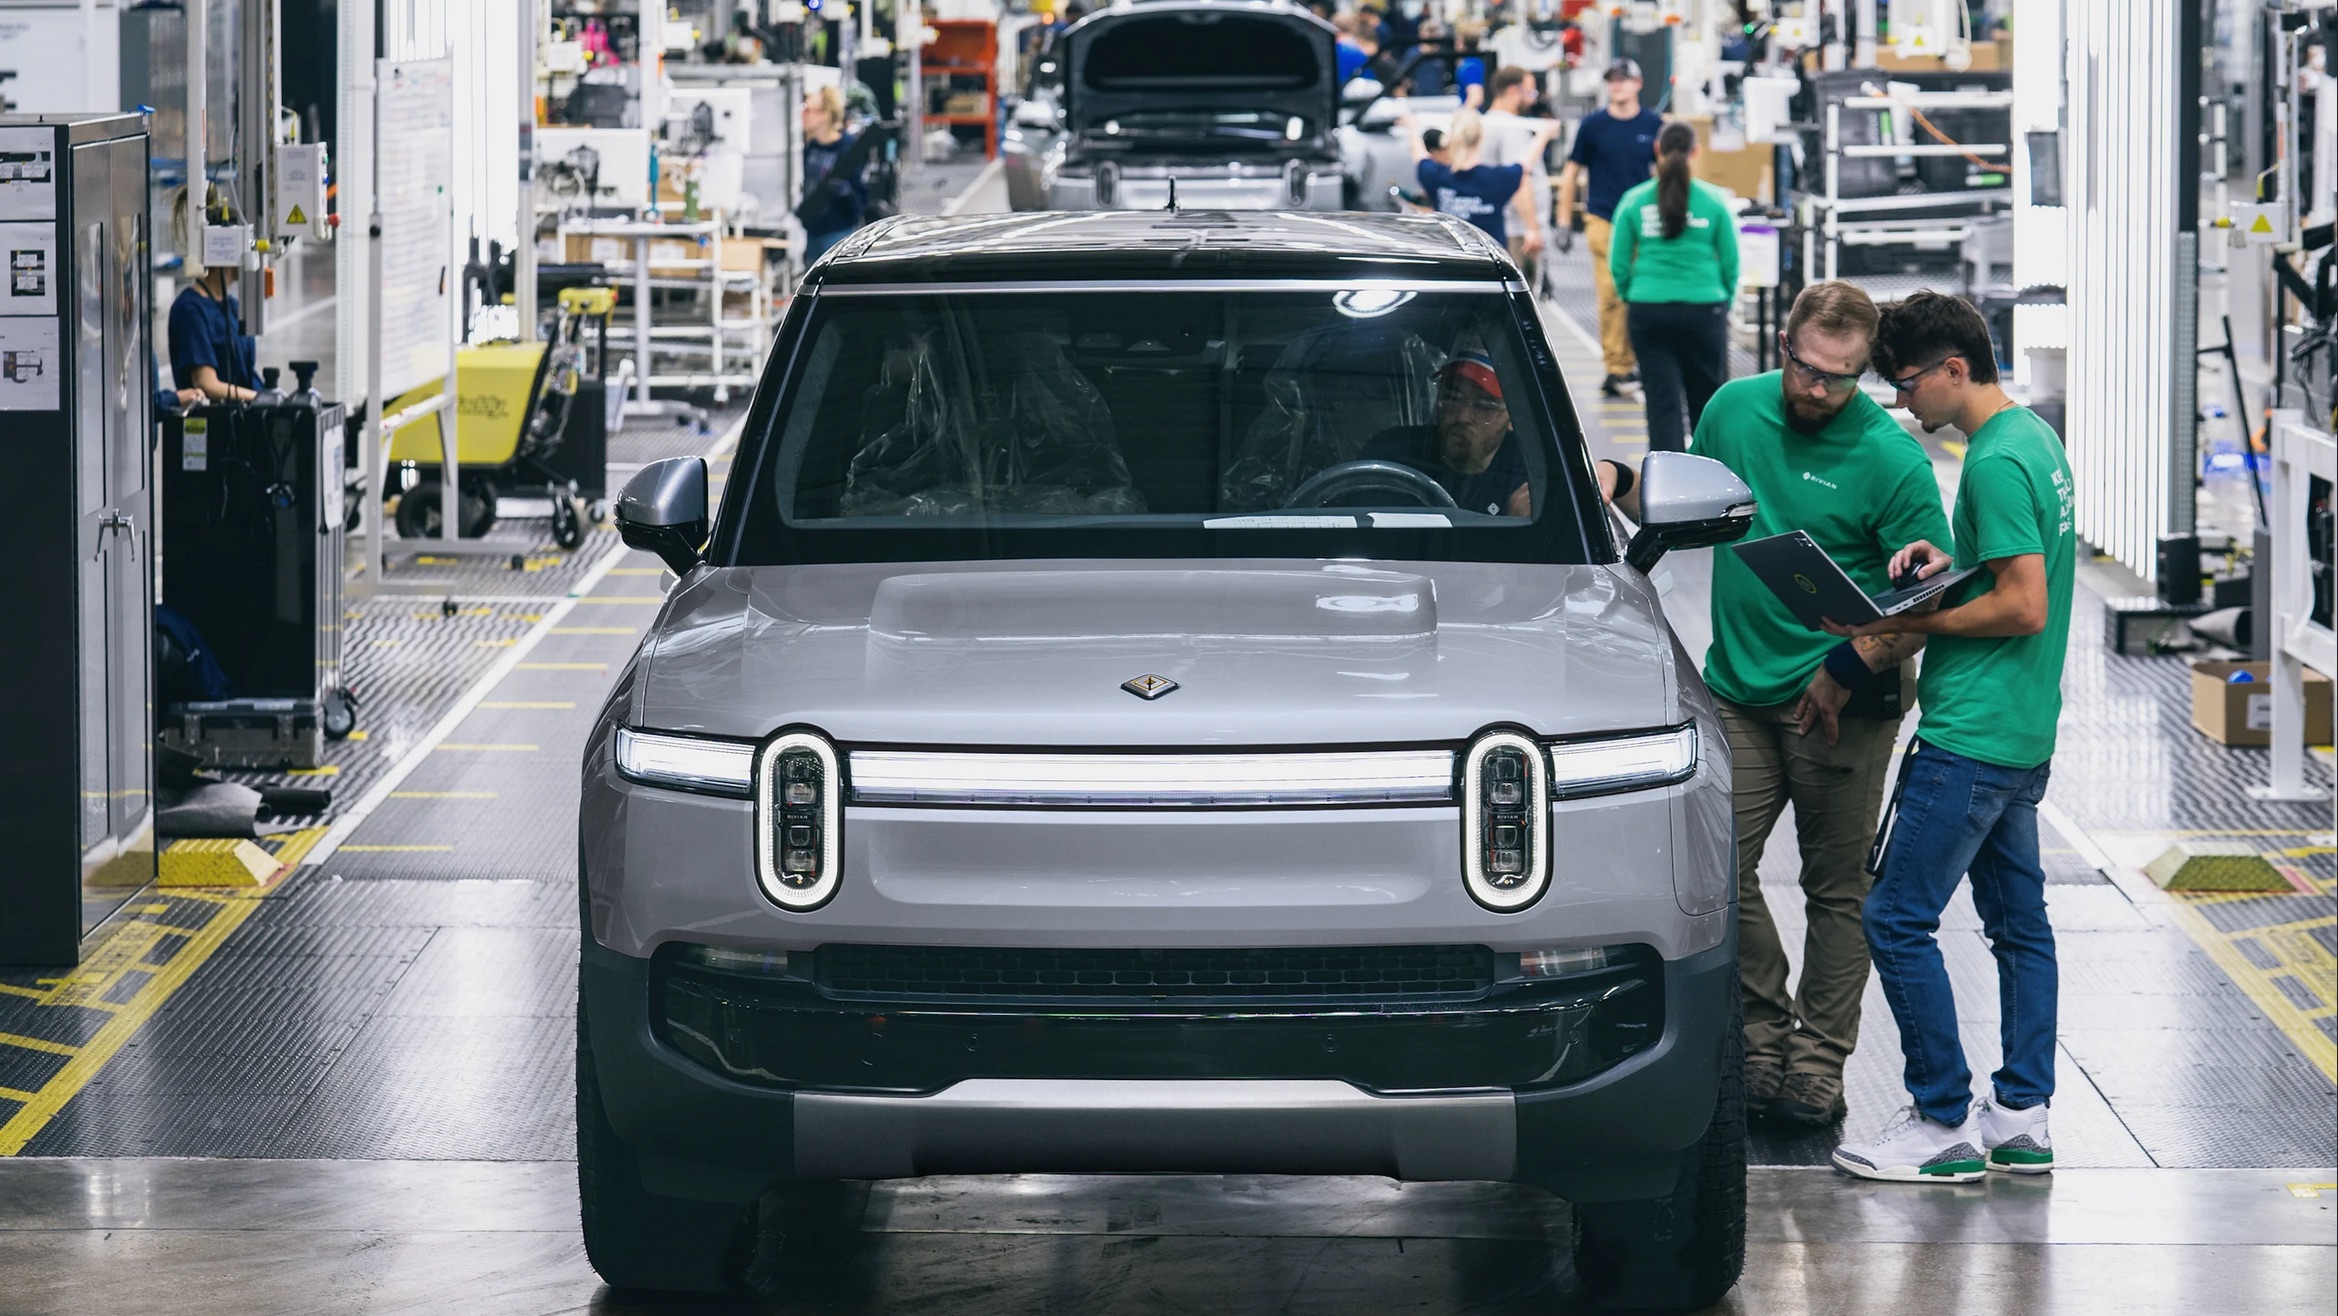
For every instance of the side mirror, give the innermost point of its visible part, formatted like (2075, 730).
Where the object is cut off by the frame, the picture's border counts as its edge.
(1685, 502)
(663, 511)
(1035, 114)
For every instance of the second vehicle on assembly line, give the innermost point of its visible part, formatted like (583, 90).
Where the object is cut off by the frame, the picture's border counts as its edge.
(1160, 693)
(1229, 104)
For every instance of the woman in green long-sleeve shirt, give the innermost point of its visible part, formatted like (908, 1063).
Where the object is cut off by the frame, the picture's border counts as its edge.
(1674, 257)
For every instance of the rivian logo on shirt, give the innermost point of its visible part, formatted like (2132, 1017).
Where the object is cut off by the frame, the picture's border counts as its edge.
(1820, 479)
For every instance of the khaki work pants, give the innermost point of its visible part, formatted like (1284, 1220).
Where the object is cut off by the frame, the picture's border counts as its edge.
(1837, 794)
(1615, 341)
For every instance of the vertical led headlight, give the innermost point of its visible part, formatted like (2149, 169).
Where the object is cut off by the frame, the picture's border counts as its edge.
(799, 809)
(1505, 821)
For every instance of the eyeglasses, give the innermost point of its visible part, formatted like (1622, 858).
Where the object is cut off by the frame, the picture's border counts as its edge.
(1833, 381)
(1904, 385)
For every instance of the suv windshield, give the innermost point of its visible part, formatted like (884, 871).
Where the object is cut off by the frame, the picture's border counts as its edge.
(1372, 421)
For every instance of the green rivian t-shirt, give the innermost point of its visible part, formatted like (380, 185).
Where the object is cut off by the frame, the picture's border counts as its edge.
(1699, 266)
(1997, 700)
(1861, 488)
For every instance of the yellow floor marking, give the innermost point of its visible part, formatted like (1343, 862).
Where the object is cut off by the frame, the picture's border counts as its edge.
(459, 612)
(387, 644)
(295, 847)
(129, 1017)
(622, 598)
(524, 616)
(483, 746)
(2258, 985)
(2312, 1189)
(596, 630)
(494, 644)
(527, 703)
(37, 1044)
(16, 1094)
(560, 667)
(440, 795)
(396, 849)
(361, 735)
(322, 770)
(11, 989)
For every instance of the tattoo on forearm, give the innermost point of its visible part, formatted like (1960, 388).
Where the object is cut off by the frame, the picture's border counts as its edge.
(1887, 650)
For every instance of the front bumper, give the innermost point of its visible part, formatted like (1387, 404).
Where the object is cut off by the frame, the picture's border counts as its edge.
(1615, 1135)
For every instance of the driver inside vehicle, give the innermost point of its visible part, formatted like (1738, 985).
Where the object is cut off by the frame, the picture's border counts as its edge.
(1469, 449)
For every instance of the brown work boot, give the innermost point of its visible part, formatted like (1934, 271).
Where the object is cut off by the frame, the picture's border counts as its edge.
(1810, 1100)
(1763, 1078)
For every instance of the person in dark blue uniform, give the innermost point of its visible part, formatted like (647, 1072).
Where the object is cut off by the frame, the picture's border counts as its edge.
(836, 200)
(210, 353)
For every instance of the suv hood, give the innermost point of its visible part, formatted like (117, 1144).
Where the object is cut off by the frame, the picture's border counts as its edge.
(1266, 653)
(1200, 55)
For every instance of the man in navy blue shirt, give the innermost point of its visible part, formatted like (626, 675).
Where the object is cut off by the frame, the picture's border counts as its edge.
(1615, 151)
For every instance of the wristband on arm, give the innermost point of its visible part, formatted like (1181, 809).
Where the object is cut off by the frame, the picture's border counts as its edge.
(1624, 479)
(1845, 665)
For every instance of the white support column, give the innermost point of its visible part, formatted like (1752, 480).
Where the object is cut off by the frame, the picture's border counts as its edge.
(523, 282)
(2127, 341)
(198, 120)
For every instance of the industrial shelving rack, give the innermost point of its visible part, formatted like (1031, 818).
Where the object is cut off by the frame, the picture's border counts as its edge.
(1831, 221)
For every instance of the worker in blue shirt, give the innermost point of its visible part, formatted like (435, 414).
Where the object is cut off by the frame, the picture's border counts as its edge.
(1469, 71)
(1614, 152)
(209, 351)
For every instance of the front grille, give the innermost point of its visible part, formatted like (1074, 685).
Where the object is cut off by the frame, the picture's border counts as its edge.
(1312, 975)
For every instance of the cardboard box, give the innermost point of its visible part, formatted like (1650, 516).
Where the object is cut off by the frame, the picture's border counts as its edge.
(1745, 171)
(745, 254)
(1988, 57)
(665, 254)
(2242, 713)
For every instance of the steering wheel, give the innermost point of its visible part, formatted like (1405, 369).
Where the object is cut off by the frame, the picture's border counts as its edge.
(1348, 478)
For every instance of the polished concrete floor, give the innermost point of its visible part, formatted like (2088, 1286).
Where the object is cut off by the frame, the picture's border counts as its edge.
(132, 1237)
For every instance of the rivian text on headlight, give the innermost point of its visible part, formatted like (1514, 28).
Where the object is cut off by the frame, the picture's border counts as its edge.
(690, 763)
(1623, 763)
(798, 813)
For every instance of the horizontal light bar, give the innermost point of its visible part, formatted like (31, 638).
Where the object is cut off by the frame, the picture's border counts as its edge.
(1106, 781)
(1622, 763)
(687, 763)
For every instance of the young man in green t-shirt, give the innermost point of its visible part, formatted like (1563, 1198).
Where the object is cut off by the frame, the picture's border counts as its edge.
(1822, 458)
(1968, 795)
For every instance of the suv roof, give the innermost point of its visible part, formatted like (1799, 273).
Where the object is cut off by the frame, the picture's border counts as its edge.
(1162, 244)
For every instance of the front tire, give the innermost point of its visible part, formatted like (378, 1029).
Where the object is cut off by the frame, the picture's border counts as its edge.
(637, 1239)
(1683, 1250)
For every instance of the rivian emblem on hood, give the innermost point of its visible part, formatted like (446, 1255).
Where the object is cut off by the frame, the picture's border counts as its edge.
(1148, 687)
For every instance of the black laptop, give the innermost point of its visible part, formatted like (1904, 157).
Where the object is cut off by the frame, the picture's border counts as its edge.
(1813, 586)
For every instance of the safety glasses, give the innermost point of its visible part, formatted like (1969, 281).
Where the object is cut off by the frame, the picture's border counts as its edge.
(1908, 383)
(1831, 380)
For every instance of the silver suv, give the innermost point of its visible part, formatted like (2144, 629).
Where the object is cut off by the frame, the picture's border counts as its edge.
(1161, 693)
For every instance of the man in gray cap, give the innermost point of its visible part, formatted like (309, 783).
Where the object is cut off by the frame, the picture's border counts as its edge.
(1615, 151)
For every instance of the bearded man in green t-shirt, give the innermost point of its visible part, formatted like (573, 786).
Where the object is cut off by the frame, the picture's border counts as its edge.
(1811, 720)
(1967, 802)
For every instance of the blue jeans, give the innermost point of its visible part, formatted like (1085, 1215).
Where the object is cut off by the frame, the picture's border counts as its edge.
(1957, 816)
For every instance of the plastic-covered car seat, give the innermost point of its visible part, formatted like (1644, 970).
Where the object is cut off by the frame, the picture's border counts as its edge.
(1332, 390)
(1049, 448)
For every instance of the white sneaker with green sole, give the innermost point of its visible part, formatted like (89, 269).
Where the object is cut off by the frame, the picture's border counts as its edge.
(2016, 1140)
(1913, 1149)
